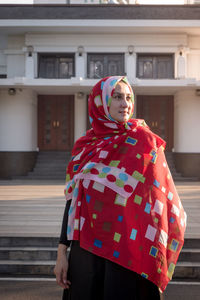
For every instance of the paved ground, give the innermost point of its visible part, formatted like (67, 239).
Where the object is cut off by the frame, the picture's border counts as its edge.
(35, 208)
(30, 290)
(31, 208)
(40, 290)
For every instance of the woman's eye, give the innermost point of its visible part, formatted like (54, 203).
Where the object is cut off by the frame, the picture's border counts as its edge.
(117, 97)
(120, 97)
(128, 98)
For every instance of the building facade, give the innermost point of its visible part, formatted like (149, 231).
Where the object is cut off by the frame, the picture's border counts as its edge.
(52, 55)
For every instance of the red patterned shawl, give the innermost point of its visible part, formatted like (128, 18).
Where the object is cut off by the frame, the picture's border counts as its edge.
(125, 207)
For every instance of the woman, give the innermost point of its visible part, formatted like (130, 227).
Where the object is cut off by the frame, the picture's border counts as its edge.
(125, 219)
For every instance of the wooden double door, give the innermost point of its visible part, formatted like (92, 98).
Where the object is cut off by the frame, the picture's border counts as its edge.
(55, 122)
(158, 112)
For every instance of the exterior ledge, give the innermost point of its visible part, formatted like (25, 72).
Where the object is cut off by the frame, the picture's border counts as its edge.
(167, 82)
(79, 81)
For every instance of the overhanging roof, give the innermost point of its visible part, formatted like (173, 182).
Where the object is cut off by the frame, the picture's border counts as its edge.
(111, 12)
(20, 19)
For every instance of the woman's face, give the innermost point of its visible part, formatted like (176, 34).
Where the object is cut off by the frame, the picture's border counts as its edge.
(121, 105)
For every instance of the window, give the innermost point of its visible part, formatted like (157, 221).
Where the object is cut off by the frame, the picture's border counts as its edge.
(102, 65)
(56, 65)
(155, 66)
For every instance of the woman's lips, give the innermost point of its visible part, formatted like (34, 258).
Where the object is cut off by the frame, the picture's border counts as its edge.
(123, 112)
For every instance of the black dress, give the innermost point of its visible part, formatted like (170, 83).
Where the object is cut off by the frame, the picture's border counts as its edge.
(96, 278)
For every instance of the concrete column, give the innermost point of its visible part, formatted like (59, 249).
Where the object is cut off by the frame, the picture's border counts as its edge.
(29, 66)
(18, 120)
(131, 66)
(80, 67)
(181, 66)
(80, 115)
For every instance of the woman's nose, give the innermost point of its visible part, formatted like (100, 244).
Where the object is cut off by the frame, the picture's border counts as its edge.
(124, 102)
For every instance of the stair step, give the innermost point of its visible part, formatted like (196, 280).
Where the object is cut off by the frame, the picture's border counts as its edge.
(191, 255)
(49, 172)
(47, 167)
(29, 277)
(49, 253)
(46, 177)
(18, 241)
(191, 243)
(40, 268)
(28, 253)
(184, 290)
(189, 270)
(28, 241)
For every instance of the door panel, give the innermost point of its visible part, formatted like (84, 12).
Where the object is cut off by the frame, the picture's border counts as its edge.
(55, 122)
(158, 111)
(65, 122)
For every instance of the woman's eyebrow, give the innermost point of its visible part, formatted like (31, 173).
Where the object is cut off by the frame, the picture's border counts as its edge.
(122, 93)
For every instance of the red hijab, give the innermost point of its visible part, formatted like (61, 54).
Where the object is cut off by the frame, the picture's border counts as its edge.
(124, 207)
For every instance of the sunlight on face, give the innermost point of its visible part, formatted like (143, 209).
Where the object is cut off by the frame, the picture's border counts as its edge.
(121, 105)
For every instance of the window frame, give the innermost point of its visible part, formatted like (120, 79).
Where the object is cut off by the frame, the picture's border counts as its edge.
(154, 57)
(56, 56)
(105, 56)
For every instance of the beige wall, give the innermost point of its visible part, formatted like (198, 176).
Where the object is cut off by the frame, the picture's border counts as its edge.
(15, 56)
(193, 57)
(186, 122)
(18, 121)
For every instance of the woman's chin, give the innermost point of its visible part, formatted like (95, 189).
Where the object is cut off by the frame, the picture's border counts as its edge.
(123, 120)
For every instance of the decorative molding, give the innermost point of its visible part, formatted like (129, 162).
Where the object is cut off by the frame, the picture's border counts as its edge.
(13, 52)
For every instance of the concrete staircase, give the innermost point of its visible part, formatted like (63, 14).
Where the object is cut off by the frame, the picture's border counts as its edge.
(33, 258)
(176, 175)
(49, 165)
(26, 269)
(185, 284)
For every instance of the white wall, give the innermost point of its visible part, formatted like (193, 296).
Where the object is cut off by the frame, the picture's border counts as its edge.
(193, 57)
(110, 41)
(142, 43)
(18, 121)
(186, 122)
(193, 66)
(15, 56)
(15, 65)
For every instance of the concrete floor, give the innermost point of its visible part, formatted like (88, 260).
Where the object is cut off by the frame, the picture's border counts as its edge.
(35, 208)
(30, 290)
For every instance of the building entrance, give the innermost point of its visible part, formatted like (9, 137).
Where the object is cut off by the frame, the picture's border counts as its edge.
(158, 112)
(55, 122)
